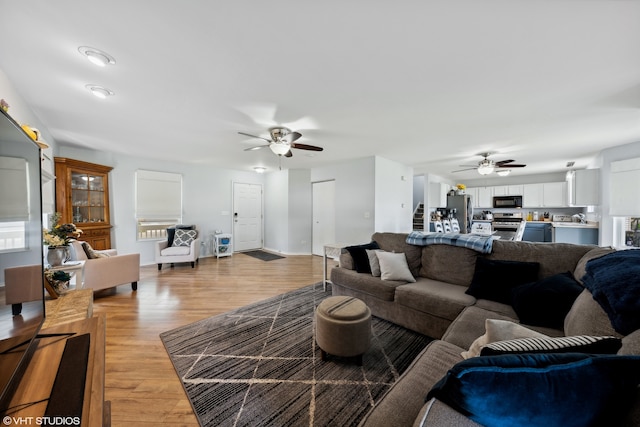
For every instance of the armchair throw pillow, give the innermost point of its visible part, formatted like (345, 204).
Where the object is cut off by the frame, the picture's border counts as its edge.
(184, 237)
(360, 258)
(91, 253)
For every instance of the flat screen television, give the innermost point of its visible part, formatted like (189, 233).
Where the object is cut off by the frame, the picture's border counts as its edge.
(20, 251)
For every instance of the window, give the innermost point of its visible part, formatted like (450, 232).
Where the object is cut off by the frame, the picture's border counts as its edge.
(632, 232)
(14, 209)
(158, 203)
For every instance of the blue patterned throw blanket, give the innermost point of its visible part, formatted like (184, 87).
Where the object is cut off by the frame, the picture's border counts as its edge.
(614, 282)
(482, 244)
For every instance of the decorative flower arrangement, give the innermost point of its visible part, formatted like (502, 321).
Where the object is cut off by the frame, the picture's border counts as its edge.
(59, 280)
(461, 187)
(59, 234)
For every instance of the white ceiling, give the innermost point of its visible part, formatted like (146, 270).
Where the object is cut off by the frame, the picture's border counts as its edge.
(426, 83)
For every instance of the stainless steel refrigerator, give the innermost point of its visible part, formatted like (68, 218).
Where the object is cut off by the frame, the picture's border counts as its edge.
(464, 210)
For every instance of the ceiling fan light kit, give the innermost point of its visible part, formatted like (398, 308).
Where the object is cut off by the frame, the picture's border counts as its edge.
(281, 142)
(487, 167)
(280, 148)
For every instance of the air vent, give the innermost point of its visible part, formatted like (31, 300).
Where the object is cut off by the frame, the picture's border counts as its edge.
(570, 164)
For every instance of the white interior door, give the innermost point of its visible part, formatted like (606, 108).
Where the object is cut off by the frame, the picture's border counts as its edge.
(247, 216)
(324, 215)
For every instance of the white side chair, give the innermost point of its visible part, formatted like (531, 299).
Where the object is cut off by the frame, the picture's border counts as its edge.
(455, 226)
(438, 227)
(446, 224)
(520, 231)
(178, 252)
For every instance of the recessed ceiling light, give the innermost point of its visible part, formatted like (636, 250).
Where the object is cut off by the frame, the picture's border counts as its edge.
(260, 169)
(99, 91)
(96, 56)
(504, 172)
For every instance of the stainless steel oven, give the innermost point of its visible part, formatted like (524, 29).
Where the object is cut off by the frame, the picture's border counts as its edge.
(507, 202)
(506, 224)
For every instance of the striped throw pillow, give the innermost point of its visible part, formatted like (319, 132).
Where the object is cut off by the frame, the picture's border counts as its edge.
(573, 344)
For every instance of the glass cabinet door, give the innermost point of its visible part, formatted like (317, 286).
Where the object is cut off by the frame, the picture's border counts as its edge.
(87, 197)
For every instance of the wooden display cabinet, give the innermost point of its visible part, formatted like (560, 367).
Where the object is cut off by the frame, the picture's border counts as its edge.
(82, 198)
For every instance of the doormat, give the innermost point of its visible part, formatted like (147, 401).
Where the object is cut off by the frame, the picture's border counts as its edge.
(264, 256)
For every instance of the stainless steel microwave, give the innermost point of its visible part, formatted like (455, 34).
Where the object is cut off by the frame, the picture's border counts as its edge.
(507, 202)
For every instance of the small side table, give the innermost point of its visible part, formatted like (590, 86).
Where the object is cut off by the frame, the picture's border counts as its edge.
(76, 267)
(332, 251)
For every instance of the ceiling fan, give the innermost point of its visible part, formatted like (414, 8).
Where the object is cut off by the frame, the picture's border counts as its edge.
(487, 166)
(281, 142)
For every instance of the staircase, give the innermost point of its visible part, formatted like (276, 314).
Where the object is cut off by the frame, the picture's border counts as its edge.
(418, 217)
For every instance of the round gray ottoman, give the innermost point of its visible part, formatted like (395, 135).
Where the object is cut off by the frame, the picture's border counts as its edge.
(343, 327)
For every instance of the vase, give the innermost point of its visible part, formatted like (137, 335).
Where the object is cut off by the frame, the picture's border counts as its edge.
(57, 255)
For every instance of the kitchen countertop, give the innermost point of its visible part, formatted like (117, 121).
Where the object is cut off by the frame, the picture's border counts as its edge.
(574, 224)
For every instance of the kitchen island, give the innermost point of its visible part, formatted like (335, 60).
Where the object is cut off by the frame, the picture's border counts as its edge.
(575, 232)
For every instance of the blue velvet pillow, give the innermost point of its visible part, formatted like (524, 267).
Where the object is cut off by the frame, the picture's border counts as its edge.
(494, 279)
(547, 301)
(569, 389)
(360, 258)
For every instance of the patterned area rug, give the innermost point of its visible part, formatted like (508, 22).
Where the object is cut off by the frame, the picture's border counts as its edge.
(262, 255)
(259, 366)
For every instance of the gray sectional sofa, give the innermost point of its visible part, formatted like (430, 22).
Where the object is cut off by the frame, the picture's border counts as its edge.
(437, 305)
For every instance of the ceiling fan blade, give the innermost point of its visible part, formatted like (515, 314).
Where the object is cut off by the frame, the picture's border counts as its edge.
(288, 154)
(502, 162)
(511, 166)
(468, 166)
(307, 147)
(255, 148)
(295, 136)
(462, 170)
(254, 136)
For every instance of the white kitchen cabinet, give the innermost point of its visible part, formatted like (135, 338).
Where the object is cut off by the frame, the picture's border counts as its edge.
(507, 190)
(584, 189)
(481, 197)
(532, 195)
(554, 195)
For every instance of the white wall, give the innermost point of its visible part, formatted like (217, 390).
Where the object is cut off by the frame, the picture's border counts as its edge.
(393, 196)
(207, 195)
(608, 225)
(355, 197)
(300, 212)
(418, 190)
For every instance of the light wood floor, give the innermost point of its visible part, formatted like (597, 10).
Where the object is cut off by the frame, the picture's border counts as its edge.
(141, 383)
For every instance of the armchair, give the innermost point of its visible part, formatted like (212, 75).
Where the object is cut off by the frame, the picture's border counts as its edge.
(106, 269)
(185, 248)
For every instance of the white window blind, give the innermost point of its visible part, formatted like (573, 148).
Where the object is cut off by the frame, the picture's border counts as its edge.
(14, 189)
(158, 195)
(625, 192)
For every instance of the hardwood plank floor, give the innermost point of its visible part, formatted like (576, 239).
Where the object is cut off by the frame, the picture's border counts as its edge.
(141, 383)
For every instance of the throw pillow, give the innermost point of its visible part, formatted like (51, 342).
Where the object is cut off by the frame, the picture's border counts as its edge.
(184, 237)
(576, 344)
(393, 266)
(360, 258)
(547, 301)
(171, 232)
(570, 389)
(494, 279)
(373, 261)
(499, 330)
(91, 253)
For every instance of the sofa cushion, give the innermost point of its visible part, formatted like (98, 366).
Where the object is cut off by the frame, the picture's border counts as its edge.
(451, 264)
(494, 279)
(574, 389)
(396, 242)
(373, 262)
(91, 253)
(586, 317)
(554, 258)
(401, 404)
(434, 297)
(547, 301)
(393, 266)
(365, 283)
(499, 330)
(574, 344)
(359, 255)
